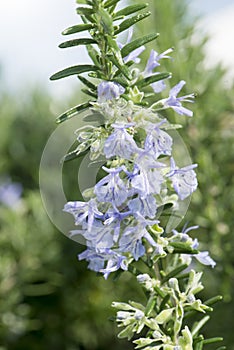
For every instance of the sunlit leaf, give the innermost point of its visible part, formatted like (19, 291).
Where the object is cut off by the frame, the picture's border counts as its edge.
(131, 21)
(106, 21)
(77, 42)
(78, 28)
(86, 11)
(130, 9)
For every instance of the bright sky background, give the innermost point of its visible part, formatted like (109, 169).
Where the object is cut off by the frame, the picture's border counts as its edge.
(30, 33)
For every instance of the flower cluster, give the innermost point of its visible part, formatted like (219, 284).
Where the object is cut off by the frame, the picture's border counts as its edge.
(120, 221)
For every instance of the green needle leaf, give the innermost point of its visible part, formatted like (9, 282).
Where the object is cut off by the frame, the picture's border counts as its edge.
(87, 83)
(106, 21)
(73, 70)
(213, 300)
(150, 305)
(212, 340)
(86, 11)
(130, 9)
(199, 325)
(77, 28)
(122, 68)
(183, 248)
(76, 42)
(152, 79)
(72, 112)
(174, 272)
(131, 21)
(127, 49)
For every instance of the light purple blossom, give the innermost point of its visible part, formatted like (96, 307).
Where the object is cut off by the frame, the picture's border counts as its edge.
(174, 102)
(147, 182)
(114, 218)
(115, 261)
(203, 257)
(100, 237)
(158, 142)
(109, 90)
(111, 188)
(84, 212)
(147, 206)
(147, 178)
(97, 261)
(131, 240)
(153, 61)
(120, 142)
(184, 180)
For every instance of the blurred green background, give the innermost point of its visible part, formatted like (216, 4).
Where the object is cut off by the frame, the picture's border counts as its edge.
(49, 300)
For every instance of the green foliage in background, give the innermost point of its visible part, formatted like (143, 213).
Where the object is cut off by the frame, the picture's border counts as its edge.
(48, 300)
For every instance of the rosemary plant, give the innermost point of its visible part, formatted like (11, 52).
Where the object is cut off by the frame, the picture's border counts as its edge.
(122, 218)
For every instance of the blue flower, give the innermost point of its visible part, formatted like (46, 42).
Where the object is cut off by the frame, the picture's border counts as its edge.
(84, 212)
(153, 61)
(109, 90)
(114, 218)
(203, 257)
(184, 180)
(97, 260)
(147, 178)
(111, 188)
(174, 102)
(157, 141)
(131, 240)
(115, 261)
(147, 206)
(120, 143)
(147, 182)
(100, 237)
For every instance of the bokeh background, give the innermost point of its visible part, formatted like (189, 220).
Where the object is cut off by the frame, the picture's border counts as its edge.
(49, 300)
